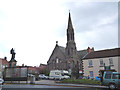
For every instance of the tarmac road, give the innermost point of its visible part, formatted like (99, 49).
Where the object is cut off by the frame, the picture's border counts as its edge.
(47, 87)
(51, 85)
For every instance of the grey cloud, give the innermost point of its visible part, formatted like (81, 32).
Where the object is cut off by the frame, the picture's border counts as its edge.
(87, 18)
(89, 14)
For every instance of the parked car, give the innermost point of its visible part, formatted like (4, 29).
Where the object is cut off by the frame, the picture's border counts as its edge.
(51, 77)
(91, 78)
(29, 75)
(80, 77)
(42, 76)
(85, 77)
(97, 78)
(111, 79)
(1, 81)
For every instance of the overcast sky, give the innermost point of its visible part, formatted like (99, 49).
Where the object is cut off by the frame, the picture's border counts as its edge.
(32, 27)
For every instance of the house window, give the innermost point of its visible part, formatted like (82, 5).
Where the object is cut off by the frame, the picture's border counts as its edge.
(10, 65)
(3, 66)
(111, 61)
(90, 63)
(91, 73)
(101, 62)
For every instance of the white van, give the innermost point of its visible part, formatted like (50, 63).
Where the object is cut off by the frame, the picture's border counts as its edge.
(58, 74)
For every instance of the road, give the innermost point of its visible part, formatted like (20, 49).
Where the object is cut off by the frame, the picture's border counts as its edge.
(46, 87)
(50, 85)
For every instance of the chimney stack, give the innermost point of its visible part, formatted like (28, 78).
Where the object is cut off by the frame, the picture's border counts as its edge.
(88, 50)
(23, 65)
(5, 58)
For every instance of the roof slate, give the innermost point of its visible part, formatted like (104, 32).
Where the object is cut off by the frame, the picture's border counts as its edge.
(103, 53)
(62, 49)
(5, 62)
(81, 53)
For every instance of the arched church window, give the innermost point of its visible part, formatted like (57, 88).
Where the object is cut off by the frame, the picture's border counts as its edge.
(57, 60)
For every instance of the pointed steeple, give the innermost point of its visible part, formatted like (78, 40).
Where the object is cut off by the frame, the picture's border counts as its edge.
(70, 22)
(70, 30)
(71, 50)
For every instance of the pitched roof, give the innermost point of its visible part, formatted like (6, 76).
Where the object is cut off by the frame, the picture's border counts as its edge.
(103, 53)
(62, 49)
(5, 62)
(42, 65)
(82, 53)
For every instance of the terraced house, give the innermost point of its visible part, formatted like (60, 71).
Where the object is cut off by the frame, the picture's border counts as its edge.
(95, 62)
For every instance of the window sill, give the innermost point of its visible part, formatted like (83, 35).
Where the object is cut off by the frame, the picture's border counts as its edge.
(112, 65)
(101, 65)
(90, 66)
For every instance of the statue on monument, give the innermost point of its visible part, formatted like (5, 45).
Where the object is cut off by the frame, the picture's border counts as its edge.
(13, 54)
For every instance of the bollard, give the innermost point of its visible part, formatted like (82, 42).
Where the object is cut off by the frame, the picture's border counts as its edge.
(32, 79)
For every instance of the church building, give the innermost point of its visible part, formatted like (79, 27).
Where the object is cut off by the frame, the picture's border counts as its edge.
(67, 58)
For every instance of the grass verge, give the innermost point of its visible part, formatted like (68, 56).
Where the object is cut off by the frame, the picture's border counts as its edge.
(81, 81)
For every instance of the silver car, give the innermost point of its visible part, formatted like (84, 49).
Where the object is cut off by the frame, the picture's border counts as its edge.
(1, 81)
(42, 76)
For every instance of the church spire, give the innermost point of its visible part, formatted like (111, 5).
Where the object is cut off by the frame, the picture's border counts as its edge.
(70, 22)
(70, 30)
(71, 50)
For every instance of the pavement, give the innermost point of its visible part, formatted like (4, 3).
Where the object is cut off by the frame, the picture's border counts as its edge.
(56, 83)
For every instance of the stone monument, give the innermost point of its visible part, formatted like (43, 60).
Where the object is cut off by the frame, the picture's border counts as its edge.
(12, 62)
